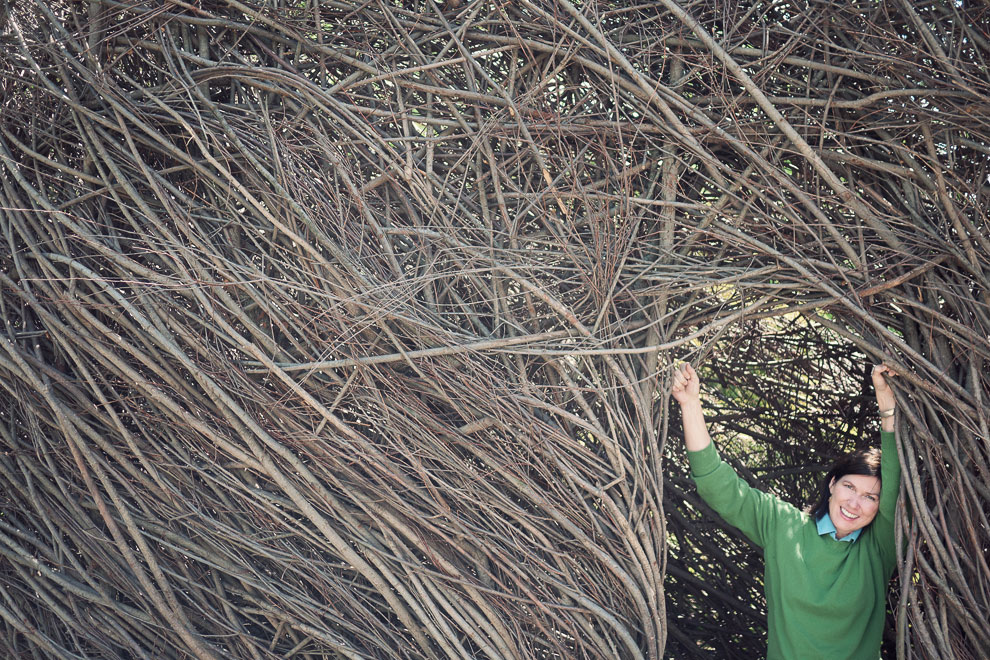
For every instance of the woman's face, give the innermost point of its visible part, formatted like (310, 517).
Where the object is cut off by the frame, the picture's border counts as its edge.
(854, 501)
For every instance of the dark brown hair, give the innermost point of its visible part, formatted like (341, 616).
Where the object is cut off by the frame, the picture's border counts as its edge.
(865, 462)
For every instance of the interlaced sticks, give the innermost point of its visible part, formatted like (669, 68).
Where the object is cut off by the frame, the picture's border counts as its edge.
(342, 330)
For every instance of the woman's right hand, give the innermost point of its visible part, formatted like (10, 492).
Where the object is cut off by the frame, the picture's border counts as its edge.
(687, 392)
(687, 386)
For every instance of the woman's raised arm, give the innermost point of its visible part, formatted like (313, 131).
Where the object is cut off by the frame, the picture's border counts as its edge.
(687, 392)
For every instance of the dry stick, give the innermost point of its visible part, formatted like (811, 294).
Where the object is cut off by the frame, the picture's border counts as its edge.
(965, 230)
(943, 553)
(803, 147)
(284, 307)
(980, 343)
(75, 513)
(164, 600)
(478, 629)
(649, 580)
(707, 159)
(307, 509)
(912, 274)
(16, 619)
(933, 537)
(588, 543)
(559, 308)
(936, 48)
(134, 377)
(229, 448)
(237, 185)
(649, 88)
(67, 585)
(686, 339)
(514, 111)
(439, 351)
(881, 329)
(495, 630)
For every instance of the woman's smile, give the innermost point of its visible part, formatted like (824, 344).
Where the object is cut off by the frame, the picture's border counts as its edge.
(847, 515)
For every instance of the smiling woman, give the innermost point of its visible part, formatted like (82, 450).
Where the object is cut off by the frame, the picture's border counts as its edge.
(815, 565)
(850, 494)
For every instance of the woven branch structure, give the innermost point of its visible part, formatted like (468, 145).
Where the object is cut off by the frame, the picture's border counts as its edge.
(341, 329)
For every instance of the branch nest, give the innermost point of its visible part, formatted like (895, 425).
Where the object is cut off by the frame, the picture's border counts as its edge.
(344, 329)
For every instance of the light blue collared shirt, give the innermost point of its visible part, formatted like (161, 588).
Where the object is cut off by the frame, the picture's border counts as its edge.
(826, 526)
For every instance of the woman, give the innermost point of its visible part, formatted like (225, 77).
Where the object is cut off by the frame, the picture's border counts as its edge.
(826, 574)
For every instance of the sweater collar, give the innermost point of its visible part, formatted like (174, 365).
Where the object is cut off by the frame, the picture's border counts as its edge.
(826, 526)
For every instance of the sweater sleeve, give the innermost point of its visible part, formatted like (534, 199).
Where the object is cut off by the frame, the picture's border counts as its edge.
(748, 509)
(890, 485)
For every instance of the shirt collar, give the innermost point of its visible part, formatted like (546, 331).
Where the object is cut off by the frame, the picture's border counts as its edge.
(826, 526)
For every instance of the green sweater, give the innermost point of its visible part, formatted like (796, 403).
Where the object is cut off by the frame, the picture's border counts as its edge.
(825, 598)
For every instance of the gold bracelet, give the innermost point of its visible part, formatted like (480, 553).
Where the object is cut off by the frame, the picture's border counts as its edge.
(886, 413)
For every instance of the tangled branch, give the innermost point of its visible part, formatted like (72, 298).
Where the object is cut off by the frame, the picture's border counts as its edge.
(343, 329)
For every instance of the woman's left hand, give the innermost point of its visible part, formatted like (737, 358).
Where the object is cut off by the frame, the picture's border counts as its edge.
(885, 395)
